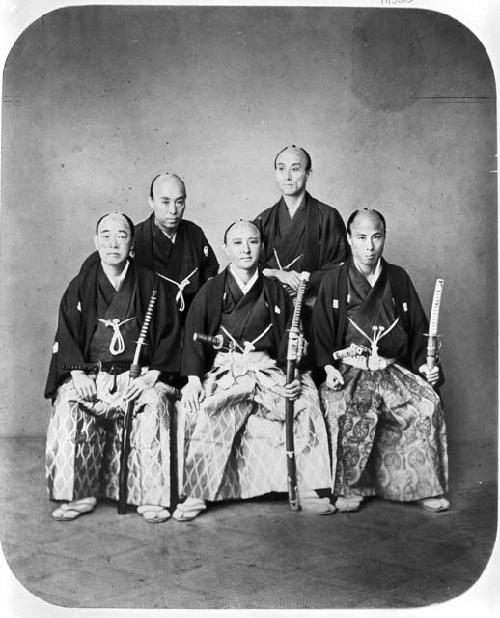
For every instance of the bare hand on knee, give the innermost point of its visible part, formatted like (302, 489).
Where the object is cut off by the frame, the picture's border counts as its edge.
(334, 379)
(193, 394)
(84, 385)
(140, 384)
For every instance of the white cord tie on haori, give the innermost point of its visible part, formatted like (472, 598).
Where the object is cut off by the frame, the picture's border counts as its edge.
(232, 365)
(185, 282)
(248, 346)
(375, 362)
(117, 343)
(288, 265)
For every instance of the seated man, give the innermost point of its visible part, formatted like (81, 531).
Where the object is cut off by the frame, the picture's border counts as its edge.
(385, 420)
(235, 398)
(100, 318)
(171, 246)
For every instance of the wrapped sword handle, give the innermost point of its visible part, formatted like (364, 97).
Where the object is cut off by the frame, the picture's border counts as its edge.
(432, 336)
(216, 342)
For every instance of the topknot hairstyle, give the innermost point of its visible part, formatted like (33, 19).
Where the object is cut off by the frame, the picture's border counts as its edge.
(126, 217)
(360, 210)
(168, 175)
(306, 154)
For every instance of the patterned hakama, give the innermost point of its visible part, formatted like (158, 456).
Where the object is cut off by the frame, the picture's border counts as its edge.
(84, 443)
(388, 433)
(235, 443)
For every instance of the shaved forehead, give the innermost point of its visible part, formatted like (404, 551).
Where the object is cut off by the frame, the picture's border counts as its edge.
(294, 152)
(168, 182)
(366, 216)
(118, 219)
(241, 227)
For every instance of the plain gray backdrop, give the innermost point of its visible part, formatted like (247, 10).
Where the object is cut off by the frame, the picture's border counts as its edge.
(397, 109)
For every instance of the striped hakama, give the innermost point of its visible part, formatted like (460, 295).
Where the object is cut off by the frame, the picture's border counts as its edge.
(84, 443)
(235, 443)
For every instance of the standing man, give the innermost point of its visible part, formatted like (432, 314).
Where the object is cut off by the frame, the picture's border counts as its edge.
(175, 248)
(299, 232)
(235, 397)
(385, 421)
(100, 318)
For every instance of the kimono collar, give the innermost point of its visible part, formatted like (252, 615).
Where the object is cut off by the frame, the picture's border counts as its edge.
(116, 282)
(298, 205)
(244, 287)
(156, 229)
(376, 273)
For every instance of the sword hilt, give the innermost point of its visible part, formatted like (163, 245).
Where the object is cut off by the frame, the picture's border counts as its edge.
(433, 346)
(432, 336)
(216, 342)
(87, 367)
(352, 350)
(135, 369)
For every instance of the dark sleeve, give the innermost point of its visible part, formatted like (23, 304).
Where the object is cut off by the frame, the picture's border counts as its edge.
(333, 248)
(418, 326)
(259, 222)
(210, 265)
(92, 259)
(67, 342)
(165, 334)
(323, 325)
(196, 357)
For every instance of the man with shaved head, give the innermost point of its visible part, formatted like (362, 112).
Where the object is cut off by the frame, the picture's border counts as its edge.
(100, 318)
(385, 420)
(299, 233)
(175, 248)
(236, 392)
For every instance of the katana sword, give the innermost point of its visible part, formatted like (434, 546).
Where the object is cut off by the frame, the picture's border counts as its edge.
(292, 357)
(134, 372)
(216, 341)
(352, 350)
(87, 367)
(95, 368)
(432, 335)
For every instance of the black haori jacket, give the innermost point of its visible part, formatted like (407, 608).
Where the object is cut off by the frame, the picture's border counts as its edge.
(317, 231)
(330, 315)
(196, 252)
(191, 251)
(204, 317)
(78, 319)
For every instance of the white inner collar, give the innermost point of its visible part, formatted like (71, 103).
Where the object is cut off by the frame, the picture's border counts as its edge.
(372, 279)
(171, 238)
(116, 281)
(244, 287)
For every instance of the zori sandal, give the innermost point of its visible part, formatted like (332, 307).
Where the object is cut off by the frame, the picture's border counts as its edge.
(310, 502)
(189, 509)
(71, 510)
(153, 513)
(438, 504)
(348, 504)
